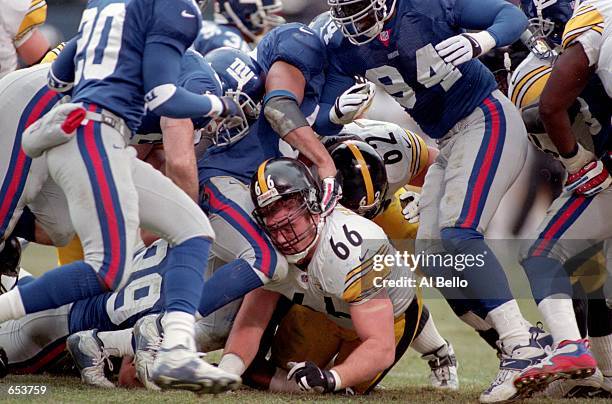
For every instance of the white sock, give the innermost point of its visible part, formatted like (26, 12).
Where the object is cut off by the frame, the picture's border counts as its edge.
(509, 324)
(602, 349)
(558, 313)
(11, 306)
(179, 329)
(280, 384)
(117, 343)
(429, 340)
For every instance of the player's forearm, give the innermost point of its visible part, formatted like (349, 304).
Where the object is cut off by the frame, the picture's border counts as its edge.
(558, 126)
(305, 141)
(364, 363)
(34, 49)
(504, 21)
(61, 73)
(180, 154)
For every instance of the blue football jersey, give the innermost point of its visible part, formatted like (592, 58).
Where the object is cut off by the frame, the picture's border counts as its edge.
(111, 41)
(142, 295)
(297, 45)
(213, 36)
(197, 77)
(403, 61)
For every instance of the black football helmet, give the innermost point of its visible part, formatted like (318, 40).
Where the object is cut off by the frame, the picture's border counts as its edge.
(287, 184)
(362, 175)
(10, 257)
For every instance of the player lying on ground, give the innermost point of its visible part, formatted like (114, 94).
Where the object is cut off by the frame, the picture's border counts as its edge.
(333, 280)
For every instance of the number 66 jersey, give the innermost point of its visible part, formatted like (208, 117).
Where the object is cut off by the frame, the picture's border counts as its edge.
(348, 268)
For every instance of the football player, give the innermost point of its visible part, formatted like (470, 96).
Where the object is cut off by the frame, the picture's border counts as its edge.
(115, 72)
(238, 24)
(420, 53)
(19, 33)
(574, 222)
(336, 275)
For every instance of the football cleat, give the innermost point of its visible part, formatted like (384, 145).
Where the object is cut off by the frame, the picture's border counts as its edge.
(181, 368)
(443, 365)
(511, 365)
(576, 388)
(570, 360)
(148, 338)
(89, 355)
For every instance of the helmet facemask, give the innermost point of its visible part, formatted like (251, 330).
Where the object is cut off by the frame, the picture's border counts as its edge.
(361, 21)
(229, 130)
(296, 232)
(255, 24)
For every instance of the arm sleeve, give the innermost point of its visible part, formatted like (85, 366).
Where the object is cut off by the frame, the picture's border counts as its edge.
(176, 23)
(161, 69)
(504, 21)
(61, 73)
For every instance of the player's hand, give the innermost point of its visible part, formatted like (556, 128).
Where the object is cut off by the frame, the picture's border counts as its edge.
(587, 175)
(331, 194)
(225, 107)
(464, 47)
(410, 203)
(353, 102)
(309, 377)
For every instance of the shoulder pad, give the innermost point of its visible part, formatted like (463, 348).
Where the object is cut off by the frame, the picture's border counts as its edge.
(176, 22)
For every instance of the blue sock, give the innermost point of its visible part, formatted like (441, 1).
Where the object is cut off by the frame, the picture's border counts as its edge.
(63, 285)
(547, 277)
(230, 282)
(184, 278)
(487, 285)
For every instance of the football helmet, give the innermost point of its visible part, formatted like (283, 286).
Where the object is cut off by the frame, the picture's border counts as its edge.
(251, 17)
(361, 20)
(362, 175)
(10, 257)
(243, 79)
(286, 198)
(547, 18)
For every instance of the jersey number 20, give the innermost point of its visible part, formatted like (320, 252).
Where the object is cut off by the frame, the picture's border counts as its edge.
(98, 47)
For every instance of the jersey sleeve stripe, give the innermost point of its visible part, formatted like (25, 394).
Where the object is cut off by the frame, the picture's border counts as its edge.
(532, 90)
(365, 173)
(355, 272)
(524, 80)
(586, 18)
(413, 151)
(36, 16)
(422, 154)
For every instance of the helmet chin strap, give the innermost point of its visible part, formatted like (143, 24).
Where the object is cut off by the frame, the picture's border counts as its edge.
(296, 258)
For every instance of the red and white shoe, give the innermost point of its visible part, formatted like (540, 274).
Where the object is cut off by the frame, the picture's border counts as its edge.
(570, 360)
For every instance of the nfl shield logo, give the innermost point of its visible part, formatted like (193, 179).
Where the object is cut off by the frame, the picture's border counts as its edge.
(384, 37)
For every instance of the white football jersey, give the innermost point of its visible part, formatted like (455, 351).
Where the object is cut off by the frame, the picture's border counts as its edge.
(591, 26)
(17, 20)
(405, 153)
(346, 269)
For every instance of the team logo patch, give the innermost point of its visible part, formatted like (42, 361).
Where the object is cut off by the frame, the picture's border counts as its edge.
(385, 36)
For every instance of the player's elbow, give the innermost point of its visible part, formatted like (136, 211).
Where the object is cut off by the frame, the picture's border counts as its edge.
(159, 100)
(548, 109)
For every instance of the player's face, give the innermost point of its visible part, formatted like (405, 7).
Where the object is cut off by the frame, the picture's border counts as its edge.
(290, 225)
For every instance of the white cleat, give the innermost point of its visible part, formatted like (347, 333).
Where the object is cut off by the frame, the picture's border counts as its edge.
(443, 365)
(148, 338)
(502, 389)
(89, 355)
(576, 388)
(182, 368)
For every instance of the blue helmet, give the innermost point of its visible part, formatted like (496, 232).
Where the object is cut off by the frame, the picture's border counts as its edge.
(243, 79)
(251, 17)
(202, 4)
(547, 18)
(361, 21)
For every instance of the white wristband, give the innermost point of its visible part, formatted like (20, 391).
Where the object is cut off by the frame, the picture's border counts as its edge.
(232, 363)
(216, 106)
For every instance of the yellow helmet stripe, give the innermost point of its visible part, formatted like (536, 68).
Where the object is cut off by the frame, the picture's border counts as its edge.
(261, 178)
(365, 173)
(524, 81)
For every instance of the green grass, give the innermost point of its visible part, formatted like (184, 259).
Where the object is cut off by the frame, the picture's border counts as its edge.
(407, 382)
